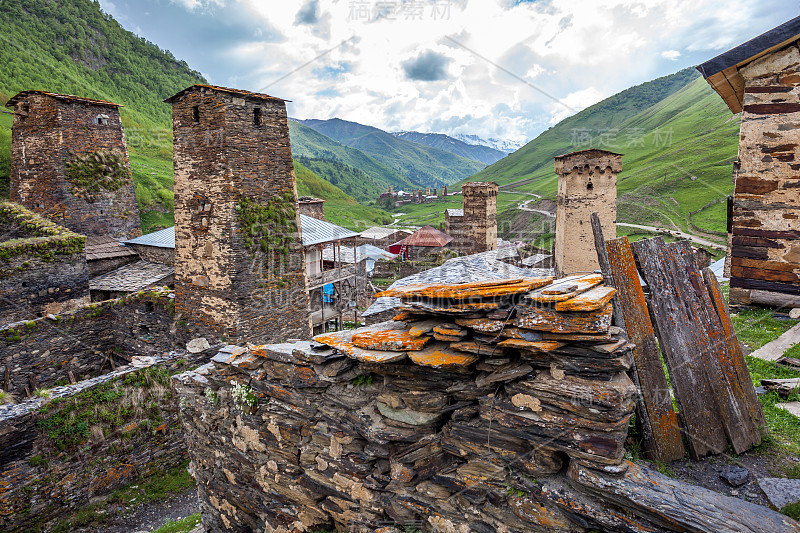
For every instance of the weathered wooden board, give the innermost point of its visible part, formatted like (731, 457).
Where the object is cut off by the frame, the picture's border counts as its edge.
(659, 422)
(784, 387)
(591, 300)
(676, 309)
(679, 506)
(736, 367)
(564, 289)
(543, 319)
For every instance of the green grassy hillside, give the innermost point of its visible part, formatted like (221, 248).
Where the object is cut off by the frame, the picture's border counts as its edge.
(677, 155)
(427, 166)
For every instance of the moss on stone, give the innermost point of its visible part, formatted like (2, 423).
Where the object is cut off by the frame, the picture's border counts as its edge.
(95, 172)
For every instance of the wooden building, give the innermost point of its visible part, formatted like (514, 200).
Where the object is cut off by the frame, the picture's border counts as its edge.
(761, 80)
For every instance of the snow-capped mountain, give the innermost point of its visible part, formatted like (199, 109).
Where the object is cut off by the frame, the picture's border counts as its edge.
(503, 145)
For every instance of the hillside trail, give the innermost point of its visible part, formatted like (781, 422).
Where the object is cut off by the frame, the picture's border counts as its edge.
(524, 207)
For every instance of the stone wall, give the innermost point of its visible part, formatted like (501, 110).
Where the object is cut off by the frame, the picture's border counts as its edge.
(312, 207)
(155, 254)
(47, 133)
(239, 262)
(60, 453)
(88, 341)
(475, 230)
(587, 183)
(42, 266)
(764, 252)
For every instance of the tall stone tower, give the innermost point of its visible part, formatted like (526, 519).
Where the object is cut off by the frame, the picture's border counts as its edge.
(239, 260)
(474, 228)
(587, 183)
(69, 163)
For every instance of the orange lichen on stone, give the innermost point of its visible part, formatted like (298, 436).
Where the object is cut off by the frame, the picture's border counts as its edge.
(463, 291)
(476, 348)
(439, 356)
(393, 340)
(591, 300)
(542, 319)
(565, 289)
(484, 325)
(534, 346)
(449, 329)
(402, 316)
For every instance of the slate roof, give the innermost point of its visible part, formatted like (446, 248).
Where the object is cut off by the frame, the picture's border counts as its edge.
(476, 267)
(427, 236)
(132, 278)
(164, 238)
(105, 247)
(380, 232)
(65, 97)
(365, 251)
(317, 231)
(229, 90)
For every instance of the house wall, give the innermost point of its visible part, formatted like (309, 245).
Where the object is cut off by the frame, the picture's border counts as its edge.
(765, 242)
(230, 275)
(587, 183)
(155, 254)
(41, 144)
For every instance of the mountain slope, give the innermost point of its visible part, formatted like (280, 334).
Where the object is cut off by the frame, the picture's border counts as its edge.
(503, 145)
(419, 163)
(677, 154)
(440, 141)
(308, 144)
(72, 47)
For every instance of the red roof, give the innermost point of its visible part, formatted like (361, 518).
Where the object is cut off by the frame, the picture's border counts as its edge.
(427, 236)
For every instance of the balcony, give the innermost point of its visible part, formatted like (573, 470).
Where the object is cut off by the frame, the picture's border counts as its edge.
(316, 281)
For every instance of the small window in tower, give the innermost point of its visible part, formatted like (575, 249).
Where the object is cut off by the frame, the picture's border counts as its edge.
(589, 186)
(257, 116)
(196, 114)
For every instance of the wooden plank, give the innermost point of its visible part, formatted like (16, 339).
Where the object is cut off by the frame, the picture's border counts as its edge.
(774, 299)
(591, 300)
(662, 437)
(764, 265)
(675, 311)
(605, 267)
(765, 275)
(736, 366)
(771, 286)
(564, 289)
(543, 319)
(775, 349)
(678, 506)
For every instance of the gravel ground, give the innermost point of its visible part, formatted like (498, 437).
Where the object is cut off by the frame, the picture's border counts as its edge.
(151, 516)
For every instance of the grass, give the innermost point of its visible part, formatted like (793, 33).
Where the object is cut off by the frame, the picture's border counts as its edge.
(6, 398)
(184, 525)
(157, 487)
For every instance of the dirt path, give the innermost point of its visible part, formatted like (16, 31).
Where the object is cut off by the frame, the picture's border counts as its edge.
(524, 207)
(151, 516)
(675, 233)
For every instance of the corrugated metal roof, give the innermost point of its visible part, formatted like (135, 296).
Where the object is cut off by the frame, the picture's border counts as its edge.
(427, 236)
(164, 238)
(455, 212)
(380, 232)
(317, 231)
(365, 251)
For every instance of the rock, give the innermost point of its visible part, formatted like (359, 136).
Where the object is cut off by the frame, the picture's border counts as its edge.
(780, 491)
(197, 345)
(735, 475)
(408, 416)
(794, 313)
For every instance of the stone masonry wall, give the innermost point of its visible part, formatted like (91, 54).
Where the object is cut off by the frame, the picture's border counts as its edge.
(765, 250)
(43, 352)
(42, 266)
(60, 453)
(45, 134)
(587, 183)
(476, 230)
(155, 254)
(239, 262)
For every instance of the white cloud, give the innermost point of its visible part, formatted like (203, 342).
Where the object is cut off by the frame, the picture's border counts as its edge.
(672, 55)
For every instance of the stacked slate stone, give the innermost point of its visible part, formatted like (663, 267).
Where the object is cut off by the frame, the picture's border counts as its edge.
(443, 417)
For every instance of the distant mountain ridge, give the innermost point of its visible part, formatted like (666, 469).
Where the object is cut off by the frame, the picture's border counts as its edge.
(502, 145)
(418, 163)
(476, 152)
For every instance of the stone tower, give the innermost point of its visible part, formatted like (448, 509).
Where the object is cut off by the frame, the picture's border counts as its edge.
(587, 183)
(69, 163)
(239, 260)
(474, 228)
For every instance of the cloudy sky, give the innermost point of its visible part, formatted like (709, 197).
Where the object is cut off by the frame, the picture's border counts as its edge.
(496, 68)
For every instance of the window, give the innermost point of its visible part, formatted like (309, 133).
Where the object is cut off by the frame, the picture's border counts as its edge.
(589, 186)
(196, 114)
(257, 116)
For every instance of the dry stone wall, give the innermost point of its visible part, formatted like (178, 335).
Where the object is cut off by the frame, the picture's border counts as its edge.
(43, 352)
